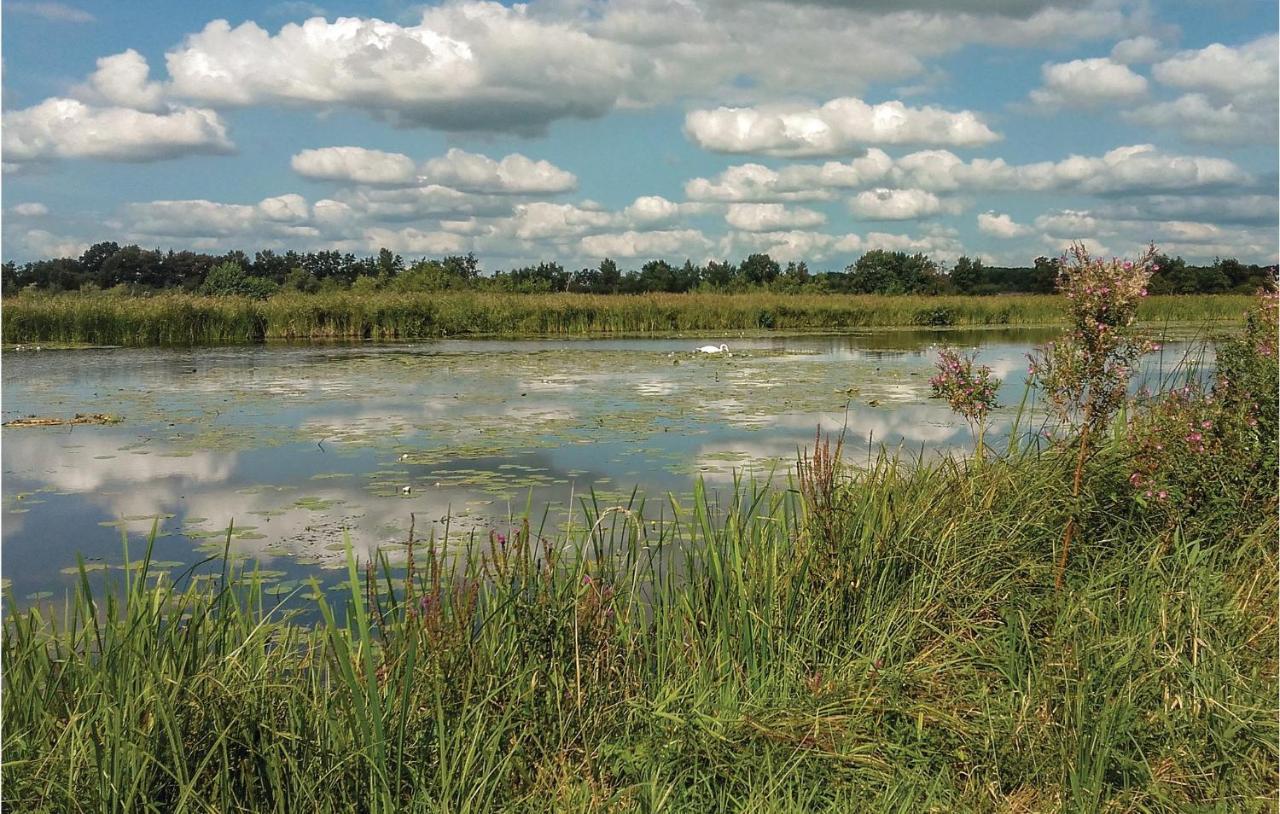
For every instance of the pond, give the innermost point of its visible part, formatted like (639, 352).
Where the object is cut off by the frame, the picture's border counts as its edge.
(296, 443)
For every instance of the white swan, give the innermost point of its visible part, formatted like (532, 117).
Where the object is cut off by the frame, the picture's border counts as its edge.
(713, 349)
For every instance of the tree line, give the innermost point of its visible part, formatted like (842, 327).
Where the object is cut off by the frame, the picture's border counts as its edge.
(134, 270)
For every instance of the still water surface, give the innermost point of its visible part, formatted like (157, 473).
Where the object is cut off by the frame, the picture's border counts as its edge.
(296, 444)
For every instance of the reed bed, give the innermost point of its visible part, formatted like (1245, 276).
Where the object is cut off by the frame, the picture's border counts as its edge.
(184, 319)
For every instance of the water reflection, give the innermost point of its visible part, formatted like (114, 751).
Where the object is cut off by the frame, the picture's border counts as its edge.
(297, 444)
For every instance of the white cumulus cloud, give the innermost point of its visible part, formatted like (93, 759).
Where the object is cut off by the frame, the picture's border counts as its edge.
(1001, 225)
(1224, 69)
(1068, 223)
(542, 219)
(1088, 83)
(771, 217)
(1136, 50)
(284, 215)
(412, 241)
(68, 128)
(355, 165)
(649, 211)
(898, 204)
(41, 243)
(465, 66)
(1135, 169)
(669, 243)
(30, 210)
(124, 80)
(514, 174)
(1132, 170)
(797, 182)
(1230, 94)
(840, 126)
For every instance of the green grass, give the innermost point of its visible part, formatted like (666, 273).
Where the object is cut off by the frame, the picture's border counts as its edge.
(181, 319)
(891, 642)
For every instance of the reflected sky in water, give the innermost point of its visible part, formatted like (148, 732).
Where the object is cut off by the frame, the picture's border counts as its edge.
(295, 444)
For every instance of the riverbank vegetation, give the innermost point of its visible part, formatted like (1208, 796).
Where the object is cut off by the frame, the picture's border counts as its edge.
(134, 270)
(883, 636)
(181, 319)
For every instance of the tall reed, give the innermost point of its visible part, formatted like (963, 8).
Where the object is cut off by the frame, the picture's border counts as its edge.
(182, 319)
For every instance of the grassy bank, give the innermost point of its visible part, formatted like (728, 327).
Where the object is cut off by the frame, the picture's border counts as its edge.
(918, 660)
(881, 638)
(177, 319)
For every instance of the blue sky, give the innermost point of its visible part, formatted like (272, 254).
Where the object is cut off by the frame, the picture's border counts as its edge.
(571, 130)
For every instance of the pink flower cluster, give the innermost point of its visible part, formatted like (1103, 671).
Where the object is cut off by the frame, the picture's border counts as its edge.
(1086, 376)
(969, 390)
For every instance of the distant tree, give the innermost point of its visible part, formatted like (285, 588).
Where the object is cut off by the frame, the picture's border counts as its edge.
(967, 275)
(1170, 276)
(610, 276)
(586, 281)
(299, 279)
(239, 258)
(59, 274)
(461, 267)
(1044, 275)
(719, 274)
(876, 272)
(131, 266)
(880, 271)
(795, 276)
(532, 279)
(9, 278)
(269, 265)
(759, 269)
(1211, 280)
(451, 272)
(185, 270)
(367, 283)
(230, 279)
(322, 265)
(658, 275)
(834, 282)
(389, 264)
(94, 256)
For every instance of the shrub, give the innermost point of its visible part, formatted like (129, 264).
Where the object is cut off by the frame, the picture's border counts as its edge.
(229, 279)
(1085, 376)
(934, 317)
(1195, 446)
(969, 391)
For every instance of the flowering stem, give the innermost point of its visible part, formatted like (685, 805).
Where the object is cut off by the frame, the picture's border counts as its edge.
(1069, 532)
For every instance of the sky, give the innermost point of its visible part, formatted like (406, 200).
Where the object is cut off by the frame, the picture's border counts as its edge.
(573, 130)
